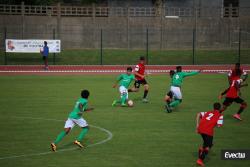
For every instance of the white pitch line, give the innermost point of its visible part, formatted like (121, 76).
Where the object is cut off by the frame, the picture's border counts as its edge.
(110, 136)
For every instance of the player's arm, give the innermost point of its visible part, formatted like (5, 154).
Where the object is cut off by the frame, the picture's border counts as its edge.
(220, 121)
(229, 75)
(81, 107)
(136, 72)
(223, 93)
(197, 120)
(117, 81)
(186, 74)
(245, 75)
(243, 85)
(198, 117)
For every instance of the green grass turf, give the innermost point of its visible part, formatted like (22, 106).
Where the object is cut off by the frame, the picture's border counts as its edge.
(142, 136)
(118, 56)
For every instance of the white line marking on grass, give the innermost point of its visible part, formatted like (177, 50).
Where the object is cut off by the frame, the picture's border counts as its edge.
(110, 136)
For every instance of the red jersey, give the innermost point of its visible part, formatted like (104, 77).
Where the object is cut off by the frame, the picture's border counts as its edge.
(233, 76)
(233, 90)
(208, 120)
(140, 68)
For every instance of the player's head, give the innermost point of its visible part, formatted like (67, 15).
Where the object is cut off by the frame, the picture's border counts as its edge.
(171, 73)
(178, 68)
(85, 94)
(45, 43)
(129, 70)
(237, 65)
(217, 106)
(142, 60)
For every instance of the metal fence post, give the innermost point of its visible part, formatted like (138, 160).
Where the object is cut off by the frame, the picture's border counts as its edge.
(5, 54)
(54, 54)
(101, 50)
(194, 38)
(239, 47)
(147, 46)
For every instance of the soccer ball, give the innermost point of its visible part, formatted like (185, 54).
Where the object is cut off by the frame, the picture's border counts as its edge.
(130, 103)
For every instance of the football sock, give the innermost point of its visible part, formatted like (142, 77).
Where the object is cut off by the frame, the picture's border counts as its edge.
(123, 98)
(175, 103)
(60, 137)
(145, 94)
(203, 154)
(82, 134)
(242, 107)
(240, 110)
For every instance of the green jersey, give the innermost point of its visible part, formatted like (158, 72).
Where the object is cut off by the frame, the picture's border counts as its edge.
(179, 76)
(125, 79)
(74, 114)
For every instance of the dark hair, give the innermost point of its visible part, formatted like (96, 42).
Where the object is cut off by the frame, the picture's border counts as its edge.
(237, 64)
(142, 58)
(238, 72)
(129, 69)
(45, 42)
(217, 106)
(178, 68)
(85, 94)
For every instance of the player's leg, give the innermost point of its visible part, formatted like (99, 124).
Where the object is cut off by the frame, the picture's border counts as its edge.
(168, 98)
(69, 124)
(85, 128)
(124, 96)
(135, 87)
(119, 101)
(146, 89)
(243, 105)
(227, 102)
(46, 63)
(207, 144)
(177, 96)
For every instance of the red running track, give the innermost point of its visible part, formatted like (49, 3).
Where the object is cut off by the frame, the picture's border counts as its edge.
(106, 69)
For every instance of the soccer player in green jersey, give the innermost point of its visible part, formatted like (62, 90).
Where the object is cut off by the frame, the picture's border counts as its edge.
(124, 81)
(75, 118)
(174, 97)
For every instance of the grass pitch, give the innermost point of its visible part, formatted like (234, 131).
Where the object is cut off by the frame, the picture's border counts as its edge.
(142, 136)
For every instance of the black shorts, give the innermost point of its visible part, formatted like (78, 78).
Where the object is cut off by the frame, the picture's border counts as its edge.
(45, 57)
(229, 101)
(207, 140)
(138, 83)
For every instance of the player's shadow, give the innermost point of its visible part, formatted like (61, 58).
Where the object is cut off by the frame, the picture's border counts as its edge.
(137, 99)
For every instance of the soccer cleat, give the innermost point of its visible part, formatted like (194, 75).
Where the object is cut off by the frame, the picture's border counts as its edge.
(200, 162)
(144, 100)
(114, 103)
(53, 147)
(168, 108)
(78, 143)
(124, 105)
(237, 116)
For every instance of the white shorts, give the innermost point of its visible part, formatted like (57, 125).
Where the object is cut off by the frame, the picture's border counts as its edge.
(123, 90)
(176, 92)
(70, 123)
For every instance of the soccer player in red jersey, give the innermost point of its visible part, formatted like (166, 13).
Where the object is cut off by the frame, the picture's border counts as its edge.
(236, 73)
(205, 124)
(140, 79)
(232, 95)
